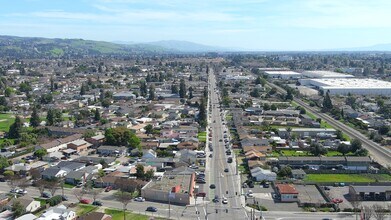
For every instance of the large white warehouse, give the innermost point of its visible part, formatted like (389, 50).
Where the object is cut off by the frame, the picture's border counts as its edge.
(325, 74)
(283, 74)
(344, 86)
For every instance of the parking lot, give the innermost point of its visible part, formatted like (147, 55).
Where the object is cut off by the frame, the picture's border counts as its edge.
(264, 197)
(309, 194)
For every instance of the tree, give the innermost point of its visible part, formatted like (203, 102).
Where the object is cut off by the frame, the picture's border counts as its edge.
(339, 135)
(79, 193)
(16, 128)
(83, 89)
(35, 120)
(191, 77)
(149, 175)
(17, 209)
(384, 129)
(327, 103)
(151, 92)
(143, 89)
(174, 89)
(356, 145)
(125, 198)
(255, 93)
(50, 117)
(258, 80)
(40, 152)
(190, 92)
(148, 129)
(343, 148)
(355, 200)
(289, 95)
(3, 162)
(94, 193)
(285, 172)
(317, 149)
(52, 84)
(97, 115)
(8, 173)
(140, 171)
(121, 136)
(367, 212)
(182, 89)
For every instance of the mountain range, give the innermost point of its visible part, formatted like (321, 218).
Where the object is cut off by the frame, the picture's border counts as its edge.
(36, 47)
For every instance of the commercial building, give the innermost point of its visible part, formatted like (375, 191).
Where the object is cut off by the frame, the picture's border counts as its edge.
(283, 74)
(260, 174)
(325, 74)
(307, 132)
(287, 193)
(340, 86)
(174, 187)
(316, 163)
(371, 193)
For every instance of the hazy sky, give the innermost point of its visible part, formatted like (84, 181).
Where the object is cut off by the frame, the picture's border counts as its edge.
(249, 24)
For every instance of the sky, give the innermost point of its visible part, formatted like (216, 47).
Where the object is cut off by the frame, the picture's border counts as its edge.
(244, 24)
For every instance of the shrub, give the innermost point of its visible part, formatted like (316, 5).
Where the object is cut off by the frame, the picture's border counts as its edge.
(55, 200)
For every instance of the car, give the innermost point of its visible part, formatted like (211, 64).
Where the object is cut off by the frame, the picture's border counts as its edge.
(212, 186)
(201, 194)
(64, 198)
(210, 155)
(224, 200)
(244, 185)
(79, 185)
(151, 209)
(266, 185)
(46, 195)
(221, 140)
(226, 170)
(108, 188)
(97, 203)
(216, 199)
(326, 188)
(229, 160)
(85, 201)
(139, 199)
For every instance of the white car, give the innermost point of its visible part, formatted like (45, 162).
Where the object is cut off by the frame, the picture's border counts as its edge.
(139, 199)
(224, 201)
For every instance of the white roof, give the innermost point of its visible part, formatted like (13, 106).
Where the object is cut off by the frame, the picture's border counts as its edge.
(353, 83)
(325, 74)
(282, 73)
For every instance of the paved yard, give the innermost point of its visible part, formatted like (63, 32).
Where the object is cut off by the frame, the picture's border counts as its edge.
(309, 194)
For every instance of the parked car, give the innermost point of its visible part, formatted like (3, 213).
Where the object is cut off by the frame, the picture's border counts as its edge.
(46, 195)
(139, 199)
(64, 198)
(216, 199)
(201, 194)
(266, 185)
(79, 185)
(97, 203)
(224, 201)
(326, 188)
(85, 201)
(212, 186)
(226, 170)
(151, 209)
(108, 188)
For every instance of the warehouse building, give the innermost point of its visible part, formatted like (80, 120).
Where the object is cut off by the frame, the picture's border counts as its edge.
(340, 86)
(371, 193)
(283, 74)
(325, 74)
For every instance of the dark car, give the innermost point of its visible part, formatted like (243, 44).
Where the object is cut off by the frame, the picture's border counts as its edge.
(46, 195)
(201, 194)
(151, 209)
(97, 203)
(266, 185)
(326, 188)
(226, 170)
(212, 186)
(64, 198)
(216, 199)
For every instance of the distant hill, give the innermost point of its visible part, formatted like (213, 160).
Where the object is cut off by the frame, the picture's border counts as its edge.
(186, 46)
(35, 47)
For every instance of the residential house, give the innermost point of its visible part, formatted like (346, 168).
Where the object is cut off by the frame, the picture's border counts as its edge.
(260, 174)
(255, 155)
(187, 156)
(111, 150)
(59, 212)
(52, 172)
(75, 177)
(27, 216)
(287, 192)
(28, 203)
(96, 140)
(69, 166)
(95, 160)
(149, 154)
(79, 145)
(298, 174)
(59, 144)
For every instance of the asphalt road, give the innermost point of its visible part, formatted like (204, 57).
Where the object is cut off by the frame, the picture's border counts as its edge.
(227, 183)
(379, 153)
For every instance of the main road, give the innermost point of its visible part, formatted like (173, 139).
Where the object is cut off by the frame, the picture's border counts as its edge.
(227, 184)
(381, 154)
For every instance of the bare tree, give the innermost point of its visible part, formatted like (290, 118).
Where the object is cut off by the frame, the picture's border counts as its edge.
(355, 200)
(379, 212)
(95, 193)
(23, 183)
(14, 182)
(40, 184)
(79, 193)
(125, 198)
(52, 185)
(367, 212)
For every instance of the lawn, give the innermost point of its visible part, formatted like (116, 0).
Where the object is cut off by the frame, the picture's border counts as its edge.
(5, 121)
(68, 186)
(359, 178)
(294, 153)
(202, 136)
(119, 215)
(83, 209)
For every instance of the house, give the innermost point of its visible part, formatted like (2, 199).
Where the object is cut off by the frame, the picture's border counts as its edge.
(255, 155)
(52, 172)
(188, 145)
(95, 160)
(287, 192)
(126, 95)
(95, 216)
(79, 145)
(111, 150)
(28, 203)
(75, 177)
(118, 180)
(59, 212)
(262, 149)
(371, 193)
(69, 166)
(187, 156)
(148, 154)
(27, 216)
(59, 144)
(307, 132)
(298, 174)
(96, 140)
(260, 174)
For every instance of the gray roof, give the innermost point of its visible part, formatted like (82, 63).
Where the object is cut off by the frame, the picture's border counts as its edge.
(298, 172)
(369, 189)
(74, 175)
(51, 171)
(70, 165)
(95, 160)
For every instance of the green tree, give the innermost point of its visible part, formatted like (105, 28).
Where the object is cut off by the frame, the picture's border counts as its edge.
(17, 209)
(124, 198)
(140, 171)
(83, 89)
(384, 129)
(343, 148)
(182, 89)
(174, 89)
(143, 89)
(289, 95)
(149, 175)
(317, 149)
(327, 103)
(255, 93)
(4, 163)
(16, 128)
(97, 115)
(285, 172)
(121, 136)
(190, 92)
(40, 152)
(356, 145)
(148, 129)
(151, 92)
(34, 119)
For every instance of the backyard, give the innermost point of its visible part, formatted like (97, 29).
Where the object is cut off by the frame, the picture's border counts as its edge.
(359, 178)
(202, 136)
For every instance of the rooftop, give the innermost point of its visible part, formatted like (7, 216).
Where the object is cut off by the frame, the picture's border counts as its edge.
(181, 182)
(325, 74)
(286, 189)
(353, 83)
